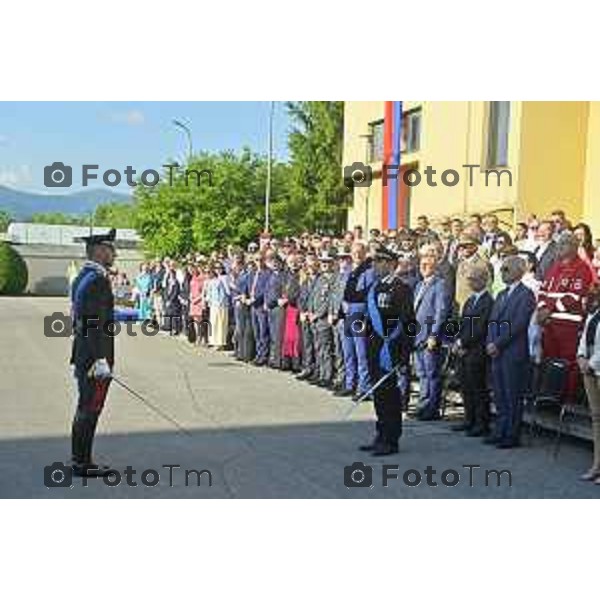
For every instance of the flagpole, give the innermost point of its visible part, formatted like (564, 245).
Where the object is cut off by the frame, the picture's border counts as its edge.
(269, 168)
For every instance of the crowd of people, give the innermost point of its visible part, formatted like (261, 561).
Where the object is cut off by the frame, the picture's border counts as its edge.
(497, 301)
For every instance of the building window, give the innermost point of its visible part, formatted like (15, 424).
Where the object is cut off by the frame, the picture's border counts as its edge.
(411, 131)
(498, 129)
(376, 141)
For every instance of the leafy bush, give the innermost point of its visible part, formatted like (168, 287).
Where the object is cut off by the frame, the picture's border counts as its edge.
(13, 271)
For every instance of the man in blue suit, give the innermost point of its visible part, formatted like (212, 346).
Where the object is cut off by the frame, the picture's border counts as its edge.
(433, 305)
(260, 316)
(508, 347)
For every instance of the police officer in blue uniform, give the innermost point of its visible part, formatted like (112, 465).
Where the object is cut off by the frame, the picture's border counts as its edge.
(92, 354)
(390, 315)
(354, 307)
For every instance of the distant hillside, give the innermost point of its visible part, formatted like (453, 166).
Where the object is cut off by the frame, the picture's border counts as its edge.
(21, 205)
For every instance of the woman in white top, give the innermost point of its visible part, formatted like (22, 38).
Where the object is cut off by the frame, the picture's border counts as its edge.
(588, 358)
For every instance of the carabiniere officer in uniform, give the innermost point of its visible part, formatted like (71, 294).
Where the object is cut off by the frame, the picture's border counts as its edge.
(390, 316)
(92, 311)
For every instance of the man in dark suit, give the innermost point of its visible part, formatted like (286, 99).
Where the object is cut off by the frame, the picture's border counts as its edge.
(432, 309)
(508, 347)
(545, 252)
(470, 348)
(172, 298)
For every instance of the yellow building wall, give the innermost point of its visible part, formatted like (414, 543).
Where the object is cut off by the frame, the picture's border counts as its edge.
(552, 165)
(487, 193)
(591, 198)
(366, 209)
(452, 134)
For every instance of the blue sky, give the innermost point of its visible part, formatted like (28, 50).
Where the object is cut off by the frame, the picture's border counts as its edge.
(117, 134)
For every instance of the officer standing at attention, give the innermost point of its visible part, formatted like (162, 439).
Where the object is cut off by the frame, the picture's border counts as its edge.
(310, 277)
(336, 320)
(92, 308)
(390, 317)
(354, 307)
(319, 303)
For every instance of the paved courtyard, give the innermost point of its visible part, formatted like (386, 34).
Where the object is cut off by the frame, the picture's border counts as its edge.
(256, 433)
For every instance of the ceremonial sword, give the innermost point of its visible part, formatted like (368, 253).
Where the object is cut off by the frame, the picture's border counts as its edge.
(151, 406)
(357, 402)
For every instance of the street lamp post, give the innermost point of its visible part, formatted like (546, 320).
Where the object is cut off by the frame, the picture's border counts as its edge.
(269, 167)
(188, 133)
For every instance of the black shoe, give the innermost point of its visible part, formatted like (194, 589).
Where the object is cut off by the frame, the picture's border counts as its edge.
(369, 447)
(324, 384)
(385, 449)
(90, 470)
(429, 415)
(507, 444)
(260, 362)
(491, 440)
(476, 432)
(313, 380)
(459, 427)
(343, 393)
(302, 376)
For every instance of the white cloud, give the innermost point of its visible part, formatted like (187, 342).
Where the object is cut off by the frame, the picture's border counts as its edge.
(3, 139)
(130, 117)
(15, 176)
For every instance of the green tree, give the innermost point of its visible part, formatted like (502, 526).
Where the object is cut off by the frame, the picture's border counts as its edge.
(5, 220)
(13, 271)
(179, 215)
(318, 197)
(120, 215)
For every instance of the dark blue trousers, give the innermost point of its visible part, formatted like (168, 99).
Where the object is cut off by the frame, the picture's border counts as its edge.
(260, 326)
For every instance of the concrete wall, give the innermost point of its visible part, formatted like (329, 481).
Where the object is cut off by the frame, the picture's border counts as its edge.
(47, 266)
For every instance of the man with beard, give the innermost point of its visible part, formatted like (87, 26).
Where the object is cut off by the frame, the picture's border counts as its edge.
(390, 314)
(93, 348)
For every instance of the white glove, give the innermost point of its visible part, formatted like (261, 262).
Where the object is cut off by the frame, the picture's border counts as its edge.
(100, 369)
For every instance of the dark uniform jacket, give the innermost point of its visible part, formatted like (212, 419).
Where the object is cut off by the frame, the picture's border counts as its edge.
(394, 303)
(474, 323)
(320, 297)
(92, 311)
(290, 288)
